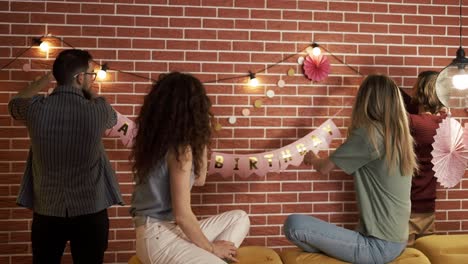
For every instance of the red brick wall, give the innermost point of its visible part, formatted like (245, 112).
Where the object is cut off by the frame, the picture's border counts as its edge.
(214, 39)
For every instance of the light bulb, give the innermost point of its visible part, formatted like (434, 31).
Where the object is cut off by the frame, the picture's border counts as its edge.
(313, 50)
(460, 80)
(101, 74)
(316, 51)
(253, 82)
(44, 46)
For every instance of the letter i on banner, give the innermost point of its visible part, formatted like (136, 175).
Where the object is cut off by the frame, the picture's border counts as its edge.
(125, 129)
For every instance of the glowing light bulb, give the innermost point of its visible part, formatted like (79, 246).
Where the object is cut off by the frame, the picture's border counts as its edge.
(460, 80)
(44, 46)
(316, 51)
(101, 74)
(253, 82)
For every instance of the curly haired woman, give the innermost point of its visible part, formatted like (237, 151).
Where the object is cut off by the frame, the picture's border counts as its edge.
(170, 153)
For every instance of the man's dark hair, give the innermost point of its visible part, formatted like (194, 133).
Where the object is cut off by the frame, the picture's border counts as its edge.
(68, 63)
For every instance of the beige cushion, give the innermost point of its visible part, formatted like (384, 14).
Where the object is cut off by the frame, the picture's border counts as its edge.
(444, 249)
(257, 255)
(411, 256)
(134, 260)
(296, 256)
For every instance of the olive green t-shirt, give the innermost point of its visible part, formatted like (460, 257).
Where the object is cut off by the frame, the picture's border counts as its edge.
(383, 197)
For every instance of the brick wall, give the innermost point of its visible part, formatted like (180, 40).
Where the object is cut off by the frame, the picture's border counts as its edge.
(215, 39)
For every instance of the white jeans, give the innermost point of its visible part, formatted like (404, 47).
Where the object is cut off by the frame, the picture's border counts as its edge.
(163, 242)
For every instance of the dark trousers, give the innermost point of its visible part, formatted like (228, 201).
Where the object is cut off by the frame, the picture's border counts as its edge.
(88, 235)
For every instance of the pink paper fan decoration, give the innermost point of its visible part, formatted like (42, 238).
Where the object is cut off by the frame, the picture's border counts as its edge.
(465, 136)
(316, 68)
(449, 155)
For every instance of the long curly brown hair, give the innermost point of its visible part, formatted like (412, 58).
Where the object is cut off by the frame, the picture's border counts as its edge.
(175, 115)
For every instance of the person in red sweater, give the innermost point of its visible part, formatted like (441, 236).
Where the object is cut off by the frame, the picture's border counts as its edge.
(423, 125)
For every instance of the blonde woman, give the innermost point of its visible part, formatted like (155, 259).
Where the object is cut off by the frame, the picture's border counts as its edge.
(379, 154)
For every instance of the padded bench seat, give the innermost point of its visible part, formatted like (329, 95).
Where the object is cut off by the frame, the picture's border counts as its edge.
(297, 256)
(444, 249)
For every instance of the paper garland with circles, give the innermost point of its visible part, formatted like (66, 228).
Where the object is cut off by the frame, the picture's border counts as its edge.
(316, 67)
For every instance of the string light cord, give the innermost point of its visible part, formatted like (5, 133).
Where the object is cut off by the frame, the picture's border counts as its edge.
(281, 61)
(227, 79)
(32, 45)
(285, 59)
(260, 71)
(133, 74)
(461, 23)
(71, 46)
(341, 61)
(17, 57)
(208, 82)
(61, 40)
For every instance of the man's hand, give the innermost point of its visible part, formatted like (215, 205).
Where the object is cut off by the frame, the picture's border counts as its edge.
(36, 86)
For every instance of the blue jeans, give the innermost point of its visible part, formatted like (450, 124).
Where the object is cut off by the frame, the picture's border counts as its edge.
(314, 235)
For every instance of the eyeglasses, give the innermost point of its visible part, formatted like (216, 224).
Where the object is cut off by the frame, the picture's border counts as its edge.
(93, 74)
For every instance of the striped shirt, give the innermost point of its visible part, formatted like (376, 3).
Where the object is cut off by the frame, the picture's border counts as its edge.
(67, 171)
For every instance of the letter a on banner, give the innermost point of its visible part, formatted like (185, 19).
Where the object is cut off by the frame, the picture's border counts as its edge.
(125, 129)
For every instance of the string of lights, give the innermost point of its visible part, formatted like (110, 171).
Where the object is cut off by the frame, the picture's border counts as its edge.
(44, 45)
(313, 50)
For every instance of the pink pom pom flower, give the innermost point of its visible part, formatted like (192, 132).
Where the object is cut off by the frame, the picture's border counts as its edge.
(316, 68)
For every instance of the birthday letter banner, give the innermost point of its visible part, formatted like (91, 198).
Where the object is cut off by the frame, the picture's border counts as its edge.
(245, 165)
(125, 129)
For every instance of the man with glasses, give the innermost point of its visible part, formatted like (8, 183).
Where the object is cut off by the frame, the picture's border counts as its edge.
(68, 182)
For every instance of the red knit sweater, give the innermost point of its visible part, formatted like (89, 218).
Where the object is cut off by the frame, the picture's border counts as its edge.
(424, 184)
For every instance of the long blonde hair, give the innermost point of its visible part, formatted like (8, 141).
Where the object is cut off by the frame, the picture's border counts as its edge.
(379, 109)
